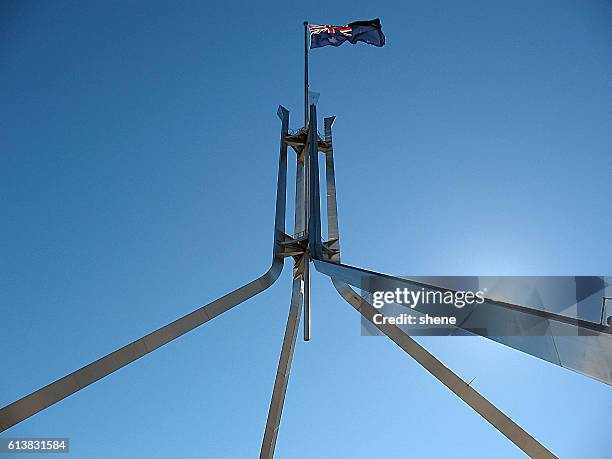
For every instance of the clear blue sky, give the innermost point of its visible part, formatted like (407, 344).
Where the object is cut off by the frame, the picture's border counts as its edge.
(138, 148)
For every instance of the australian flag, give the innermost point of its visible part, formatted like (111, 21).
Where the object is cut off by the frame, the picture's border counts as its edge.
(367, 31)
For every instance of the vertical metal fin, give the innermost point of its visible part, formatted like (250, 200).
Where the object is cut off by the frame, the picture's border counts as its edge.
(333, 233)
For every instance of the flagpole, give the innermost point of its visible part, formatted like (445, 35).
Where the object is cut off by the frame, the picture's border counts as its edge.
(306, 266)
(306, 40)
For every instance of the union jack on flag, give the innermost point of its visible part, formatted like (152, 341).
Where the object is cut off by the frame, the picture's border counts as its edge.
(366, 31)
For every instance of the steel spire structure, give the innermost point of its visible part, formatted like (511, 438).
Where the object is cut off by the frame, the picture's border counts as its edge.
(305, 247)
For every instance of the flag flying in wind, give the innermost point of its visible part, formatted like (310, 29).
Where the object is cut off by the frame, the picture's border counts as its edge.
(367, 31)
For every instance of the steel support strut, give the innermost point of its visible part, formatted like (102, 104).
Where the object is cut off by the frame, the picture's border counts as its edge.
(446, 376)
(43, 398)
(284, 364)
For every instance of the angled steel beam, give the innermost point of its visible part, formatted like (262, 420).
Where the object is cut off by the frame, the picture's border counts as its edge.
(362, 278)
(284, 364)
(446, 376)
(43, 398)
(577, 345)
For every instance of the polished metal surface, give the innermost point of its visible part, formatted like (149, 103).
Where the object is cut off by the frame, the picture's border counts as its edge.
(77, 380)
(308, 147)
(332, 245)
(300, 193)
(314, 203)
(307, 312)
(576, 345)
(446, 376)
(284, 367)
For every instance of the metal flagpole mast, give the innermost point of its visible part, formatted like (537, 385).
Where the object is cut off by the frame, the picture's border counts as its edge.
(307, 189)
(306, 43)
